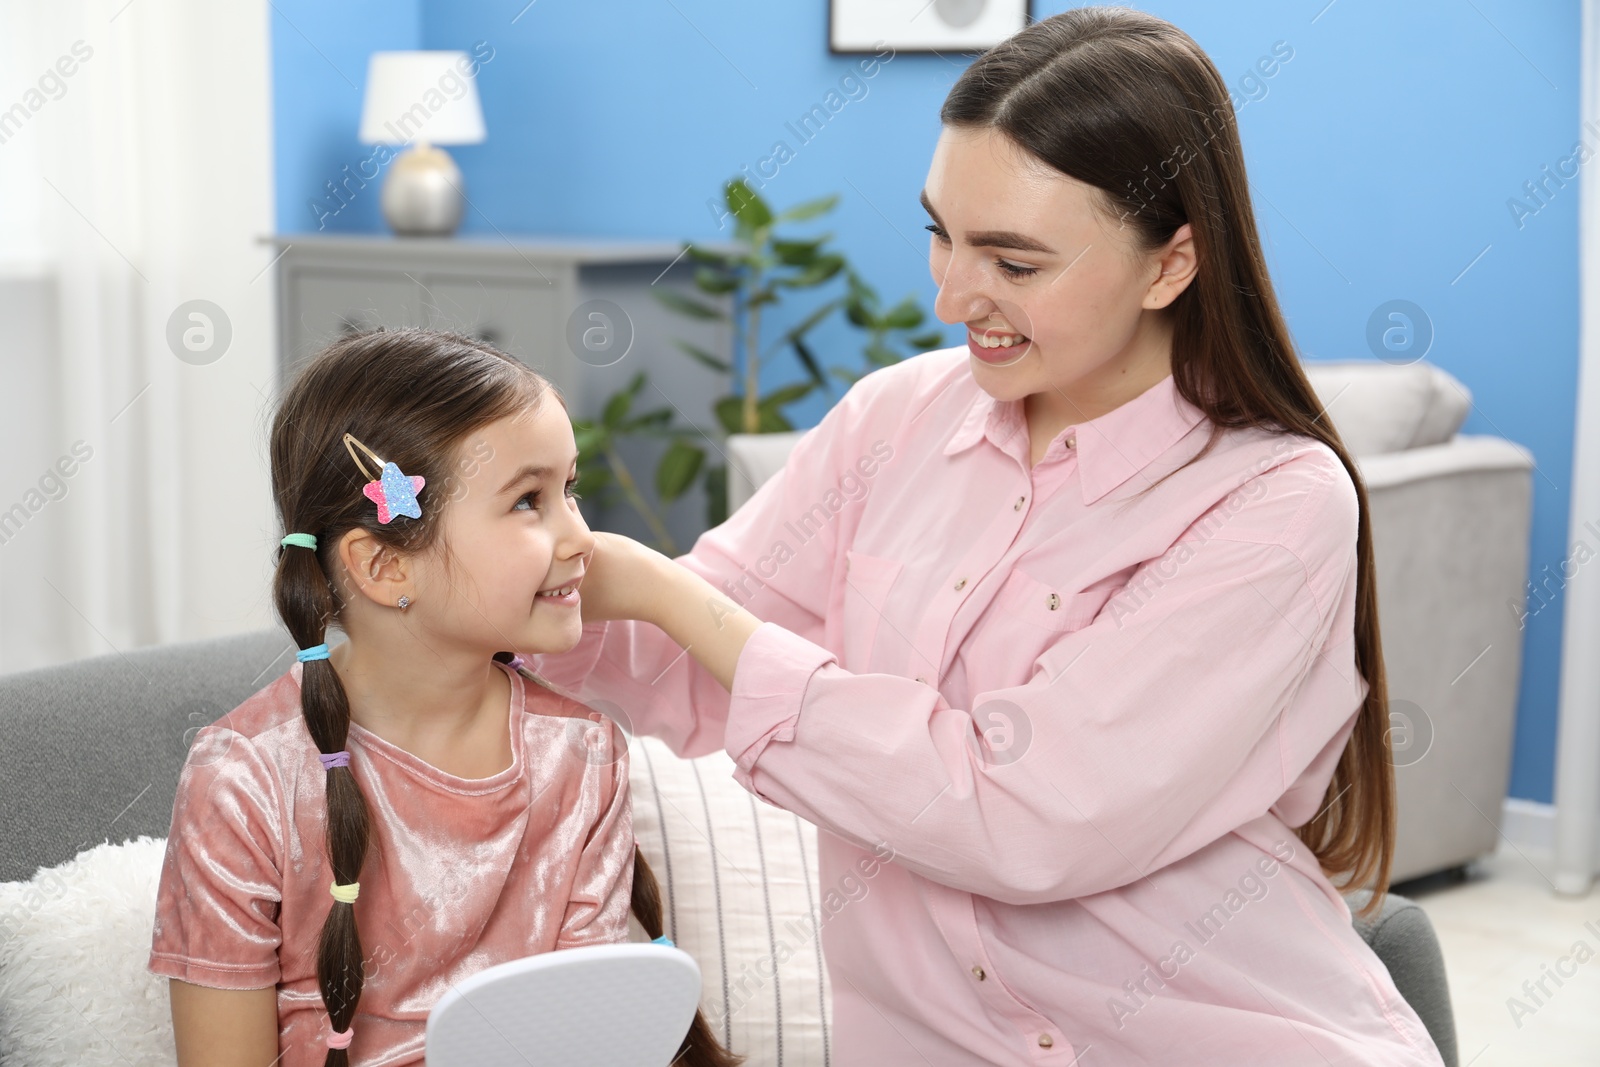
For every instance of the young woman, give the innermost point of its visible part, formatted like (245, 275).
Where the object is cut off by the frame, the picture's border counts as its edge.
(395, 814)
(1077, 619)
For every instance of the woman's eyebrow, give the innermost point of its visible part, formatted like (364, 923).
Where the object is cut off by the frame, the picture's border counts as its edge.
(530, 471)
(994, 238)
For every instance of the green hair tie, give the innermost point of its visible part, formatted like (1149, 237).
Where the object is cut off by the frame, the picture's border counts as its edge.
(304, 540)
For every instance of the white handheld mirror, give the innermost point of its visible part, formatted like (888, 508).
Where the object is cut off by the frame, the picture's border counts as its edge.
(618, 1005)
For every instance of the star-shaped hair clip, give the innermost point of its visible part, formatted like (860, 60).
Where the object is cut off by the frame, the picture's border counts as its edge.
(394, 493)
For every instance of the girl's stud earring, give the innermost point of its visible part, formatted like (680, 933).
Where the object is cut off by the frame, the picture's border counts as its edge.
(404, 602)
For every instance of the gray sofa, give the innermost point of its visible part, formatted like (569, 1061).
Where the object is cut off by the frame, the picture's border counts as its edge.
(90, 752)
(1451, 519)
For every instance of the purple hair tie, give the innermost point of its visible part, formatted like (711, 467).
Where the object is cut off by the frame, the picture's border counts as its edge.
(517, 662)
(330, 760)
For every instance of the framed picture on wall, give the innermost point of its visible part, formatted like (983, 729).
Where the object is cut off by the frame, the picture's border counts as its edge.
(866, 26)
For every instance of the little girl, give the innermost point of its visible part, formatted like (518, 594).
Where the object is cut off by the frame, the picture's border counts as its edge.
(401, 811)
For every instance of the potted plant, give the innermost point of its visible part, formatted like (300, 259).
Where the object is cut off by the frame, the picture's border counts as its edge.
(766, 269)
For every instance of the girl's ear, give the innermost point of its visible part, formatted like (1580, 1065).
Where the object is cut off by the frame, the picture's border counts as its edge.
(374, 569)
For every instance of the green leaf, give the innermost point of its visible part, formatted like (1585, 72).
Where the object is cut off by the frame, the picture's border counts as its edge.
(734, 261)
(810, 209)
(848, 375)
(772, 421)
(806, 324)
(798, 253)
(881, 354)
(747, 206)
(861, 291)
(677, 469)
(715, 363)
(786, 394)
(824, 268)
(589, 437)
(714, 282)
(807, 358)
(730, 413)
(649, 422)
(925, 341)
(592, 481)
(905, 315)
(856, 311)
(716, 485)
(713, 259)
(688, 305)
(616, 409)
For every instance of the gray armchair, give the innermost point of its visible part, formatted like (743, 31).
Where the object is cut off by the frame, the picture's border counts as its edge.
(1403, 938)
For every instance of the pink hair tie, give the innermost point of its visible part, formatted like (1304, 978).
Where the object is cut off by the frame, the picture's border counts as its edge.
(341, 1038)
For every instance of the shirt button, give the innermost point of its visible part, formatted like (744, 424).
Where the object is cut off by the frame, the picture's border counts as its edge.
(977, 972)
(921, 679)
(961, 584)
(1045, 1041)
(1018, 505)
(1072, 442)
(1054, 601)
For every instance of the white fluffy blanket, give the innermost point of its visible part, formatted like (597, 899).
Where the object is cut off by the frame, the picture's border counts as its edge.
(74, 942)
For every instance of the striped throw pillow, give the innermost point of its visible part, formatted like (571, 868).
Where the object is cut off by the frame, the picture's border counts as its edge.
(739, 893)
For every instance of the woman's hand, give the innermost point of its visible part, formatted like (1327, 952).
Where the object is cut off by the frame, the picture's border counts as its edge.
(627, 580)
(623, 579)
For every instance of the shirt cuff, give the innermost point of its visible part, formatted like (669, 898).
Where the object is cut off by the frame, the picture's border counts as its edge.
(769, 686)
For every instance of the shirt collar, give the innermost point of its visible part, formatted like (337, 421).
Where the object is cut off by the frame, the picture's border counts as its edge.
(1111, 449)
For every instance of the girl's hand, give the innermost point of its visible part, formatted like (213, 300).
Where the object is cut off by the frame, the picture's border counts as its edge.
(623, 580)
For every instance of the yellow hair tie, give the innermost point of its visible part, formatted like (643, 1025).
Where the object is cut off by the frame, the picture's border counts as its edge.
(344, 894)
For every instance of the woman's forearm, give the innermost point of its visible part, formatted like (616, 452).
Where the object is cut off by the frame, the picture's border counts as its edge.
(702, 620)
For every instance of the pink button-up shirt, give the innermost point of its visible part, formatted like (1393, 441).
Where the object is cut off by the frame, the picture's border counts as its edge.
(1081, 721)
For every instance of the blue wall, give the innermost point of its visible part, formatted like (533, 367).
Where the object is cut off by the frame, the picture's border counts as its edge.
(1382, 157)
(319, 69)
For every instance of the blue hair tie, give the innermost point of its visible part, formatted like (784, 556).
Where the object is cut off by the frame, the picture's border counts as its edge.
(314, 652)
(662, 940)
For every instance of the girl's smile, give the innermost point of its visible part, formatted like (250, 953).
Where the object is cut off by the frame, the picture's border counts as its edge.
(563, 597)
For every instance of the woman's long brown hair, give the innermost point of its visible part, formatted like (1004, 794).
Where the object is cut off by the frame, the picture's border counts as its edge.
(1130, 104)
(413, 397)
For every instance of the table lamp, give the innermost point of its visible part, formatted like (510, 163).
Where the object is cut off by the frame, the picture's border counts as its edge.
(421, 100)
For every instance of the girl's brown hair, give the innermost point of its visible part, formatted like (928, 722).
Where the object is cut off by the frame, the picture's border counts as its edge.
(1130, 104)
(413, 397)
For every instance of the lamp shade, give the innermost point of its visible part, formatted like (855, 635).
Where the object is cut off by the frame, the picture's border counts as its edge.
(421, 96)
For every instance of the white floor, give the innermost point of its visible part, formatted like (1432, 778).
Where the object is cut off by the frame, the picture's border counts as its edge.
(1505, 926)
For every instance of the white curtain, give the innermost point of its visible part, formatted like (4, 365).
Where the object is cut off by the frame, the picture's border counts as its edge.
(135, 176)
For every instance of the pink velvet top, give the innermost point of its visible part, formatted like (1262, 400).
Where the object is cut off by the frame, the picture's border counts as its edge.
(1082, 704)
(461, 874)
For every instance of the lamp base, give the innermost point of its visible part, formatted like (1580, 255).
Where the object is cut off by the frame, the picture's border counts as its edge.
(422, 193)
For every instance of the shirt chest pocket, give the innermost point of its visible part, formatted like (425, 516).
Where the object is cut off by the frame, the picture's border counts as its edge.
(1023, 598)
(1025, 618)
(867, 581)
